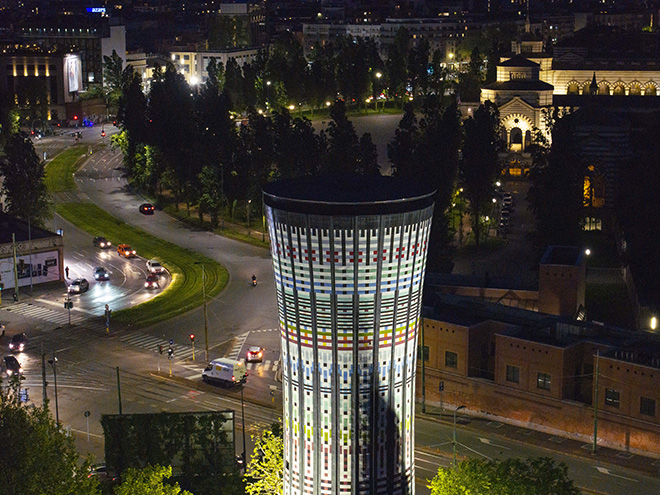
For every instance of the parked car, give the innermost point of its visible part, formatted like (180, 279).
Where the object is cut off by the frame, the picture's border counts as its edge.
(255, 354)
(101, 472)
(126, 251)
(102, 242)
(154, 266)
(18, 342)
(147, 209)
(152, 281)
(79, 286)
(101, 273)
(11, 366)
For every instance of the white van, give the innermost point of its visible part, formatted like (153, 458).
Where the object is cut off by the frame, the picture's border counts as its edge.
(227, 372)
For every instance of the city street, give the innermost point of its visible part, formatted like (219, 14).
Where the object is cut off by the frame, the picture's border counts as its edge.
(239, 317)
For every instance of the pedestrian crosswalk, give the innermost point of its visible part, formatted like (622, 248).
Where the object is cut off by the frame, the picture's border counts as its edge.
(60, 318)
(265, 366)
(152, 344)
(238, 345)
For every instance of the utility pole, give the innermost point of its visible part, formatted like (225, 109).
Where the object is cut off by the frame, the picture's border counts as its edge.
(119, 390)
(44, 383)
(423, 370)
(595, 444)
(13, 242)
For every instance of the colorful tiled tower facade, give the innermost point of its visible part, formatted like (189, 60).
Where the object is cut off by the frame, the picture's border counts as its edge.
(349, 257)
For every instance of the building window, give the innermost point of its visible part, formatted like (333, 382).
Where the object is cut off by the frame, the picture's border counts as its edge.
(612, 397)
(647, 406)
(426, 352)
(451, 359)
(512, 374)
(543, 381)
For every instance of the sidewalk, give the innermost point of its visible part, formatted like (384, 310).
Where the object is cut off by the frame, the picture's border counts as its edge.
(552, 443)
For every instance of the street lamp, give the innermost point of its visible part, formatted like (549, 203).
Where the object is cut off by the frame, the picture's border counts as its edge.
(454, 438)
(53, 363)
(247, 209)
(378, 76)
(206, 321)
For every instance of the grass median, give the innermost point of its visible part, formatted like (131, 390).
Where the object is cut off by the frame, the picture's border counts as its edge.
(185, 291)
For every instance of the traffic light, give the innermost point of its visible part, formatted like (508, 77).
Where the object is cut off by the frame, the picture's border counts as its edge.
(192, 337)
(160, 349)
(68, 304)
(170, 353)
(75, 117)
(102, 133)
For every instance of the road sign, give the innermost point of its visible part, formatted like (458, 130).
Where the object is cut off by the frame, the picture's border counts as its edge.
(86, 414)
(171, 342)
(441, 386)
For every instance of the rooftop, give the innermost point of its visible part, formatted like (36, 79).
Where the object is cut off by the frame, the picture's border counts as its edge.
(352, 194)
(562, 255)
(10, 225)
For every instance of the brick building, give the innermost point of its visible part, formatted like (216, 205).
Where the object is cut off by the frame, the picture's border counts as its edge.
(539, 370)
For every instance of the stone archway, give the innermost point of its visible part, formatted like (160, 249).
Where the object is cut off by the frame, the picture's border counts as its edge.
(516, 139)
(650, 89)
(519, 130)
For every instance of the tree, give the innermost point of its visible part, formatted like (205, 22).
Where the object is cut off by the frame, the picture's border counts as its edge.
(24, 186)
(343, 144)
(535, 476)
(556, 192)
(148, 481)
(265, 471)
(37, 456)
(397, 63)
(400, 150)
(480, 167)
(113, 78)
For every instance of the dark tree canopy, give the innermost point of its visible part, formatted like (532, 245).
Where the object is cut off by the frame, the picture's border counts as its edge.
(23, 185)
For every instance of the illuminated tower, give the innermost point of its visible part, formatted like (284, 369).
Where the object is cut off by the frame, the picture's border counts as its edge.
(349, 256)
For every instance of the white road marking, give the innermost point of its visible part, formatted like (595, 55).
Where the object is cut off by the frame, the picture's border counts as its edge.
(604, 470)
(488, 442)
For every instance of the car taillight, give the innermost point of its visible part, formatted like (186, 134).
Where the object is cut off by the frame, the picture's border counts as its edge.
(233, 378)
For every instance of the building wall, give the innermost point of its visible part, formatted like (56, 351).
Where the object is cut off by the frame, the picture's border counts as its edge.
(561, 289)
(349, 299)
(566, 408)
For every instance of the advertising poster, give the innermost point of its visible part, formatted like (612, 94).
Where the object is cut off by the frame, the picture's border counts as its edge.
(73, 75)
(44, 269)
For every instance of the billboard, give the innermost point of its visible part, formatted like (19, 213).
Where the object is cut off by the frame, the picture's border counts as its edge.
(44, 267)
(72, 73)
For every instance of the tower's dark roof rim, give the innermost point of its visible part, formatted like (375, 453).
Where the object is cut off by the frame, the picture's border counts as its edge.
(351, 194)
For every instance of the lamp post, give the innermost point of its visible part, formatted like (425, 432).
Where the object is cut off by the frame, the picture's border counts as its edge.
(378, 76)
(243, 421)
(53, 363)
(206, 321)
(454, 436)
(247, 209)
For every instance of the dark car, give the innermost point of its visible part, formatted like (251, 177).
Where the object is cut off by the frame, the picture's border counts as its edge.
(147, 209)
(11, 366)
(18, 342)
(101, 273)
(101, 472)
(79, 286)
(102, 242)
(152, 281)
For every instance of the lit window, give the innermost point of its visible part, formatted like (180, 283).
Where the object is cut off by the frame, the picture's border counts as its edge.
(612, 397)
(543, 381)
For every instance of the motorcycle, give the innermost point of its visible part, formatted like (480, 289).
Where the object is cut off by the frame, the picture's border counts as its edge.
(254, 281)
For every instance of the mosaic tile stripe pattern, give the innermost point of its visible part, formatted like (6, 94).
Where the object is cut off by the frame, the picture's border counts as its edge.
(349, 292)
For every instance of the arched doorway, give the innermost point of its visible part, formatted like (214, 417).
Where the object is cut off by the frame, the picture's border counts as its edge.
(516, 139)
(650, 90)
(573, 88)
(603, 88)
(619, 90)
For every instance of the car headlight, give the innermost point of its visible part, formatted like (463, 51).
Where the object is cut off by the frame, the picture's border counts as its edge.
(11, 346)
(146, 284)
(10, 372)
(21, 347)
